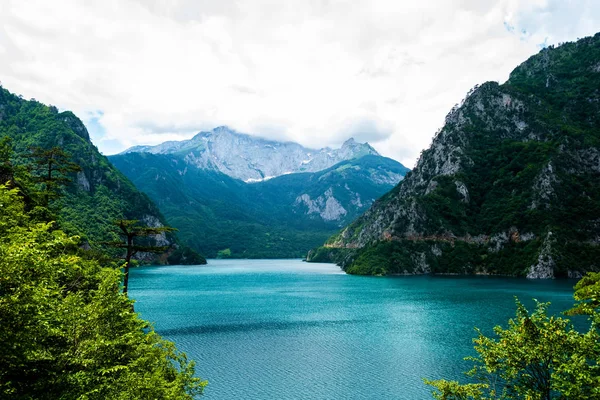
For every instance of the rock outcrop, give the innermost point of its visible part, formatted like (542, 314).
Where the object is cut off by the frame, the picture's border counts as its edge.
(510, 184)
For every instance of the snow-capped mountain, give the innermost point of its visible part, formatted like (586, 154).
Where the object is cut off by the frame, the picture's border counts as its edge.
(253, 159)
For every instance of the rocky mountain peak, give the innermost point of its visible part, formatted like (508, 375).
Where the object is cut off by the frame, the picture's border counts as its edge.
(252, 158)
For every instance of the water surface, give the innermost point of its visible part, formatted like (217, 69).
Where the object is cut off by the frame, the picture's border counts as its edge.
(284, 329)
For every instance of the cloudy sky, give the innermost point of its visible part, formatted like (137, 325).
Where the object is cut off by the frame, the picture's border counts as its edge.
(312, 71)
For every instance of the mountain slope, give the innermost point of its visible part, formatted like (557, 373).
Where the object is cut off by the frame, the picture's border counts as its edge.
(281, 217)
(99, 193)
(510, 184)
(251, 158)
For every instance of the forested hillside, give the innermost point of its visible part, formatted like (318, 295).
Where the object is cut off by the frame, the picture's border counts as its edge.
(510, 184)
(99, 194)
(66, 329)
(282, 217)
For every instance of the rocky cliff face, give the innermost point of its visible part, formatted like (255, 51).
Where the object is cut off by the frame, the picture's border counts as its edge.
(99, 193)
(510, 185)
(253, 159)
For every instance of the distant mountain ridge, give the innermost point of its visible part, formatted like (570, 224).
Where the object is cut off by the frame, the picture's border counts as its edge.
(253, 159)
(281, 217)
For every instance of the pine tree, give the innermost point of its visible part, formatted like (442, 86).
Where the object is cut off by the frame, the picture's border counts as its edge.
(132, 231)
(51, 167)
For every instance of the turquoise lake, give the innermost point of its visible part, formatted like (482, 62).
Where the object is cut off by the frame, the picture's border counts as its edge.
(285, 329)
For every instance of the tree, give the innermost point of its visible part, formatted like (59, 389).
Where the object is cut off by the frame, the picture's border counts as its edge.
(51, 167)
(587, 294)
(6, 167)
(538, 357)
(131, 230)
(66, 330)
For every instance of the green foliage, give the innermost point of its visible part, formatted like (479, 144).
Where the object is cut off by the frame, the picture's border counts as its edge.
(329, 255)
(387, 258)
(587, 294)
(184, 255)
(536, 357)
(431, 256)
(66, 331)
(136, 238)
(452, 390)
(6, 168)
(96, 195)
(51, 168)
(225, 253)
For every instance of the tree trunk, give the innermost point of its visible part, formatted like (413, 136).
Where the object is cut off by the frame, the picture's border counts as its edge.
(127, 261)
(126, 278)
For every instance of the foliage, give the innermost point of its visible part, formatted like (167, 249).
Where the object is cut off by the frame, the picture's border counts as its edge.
(66, 331)
(328, 255)
(536, 357)
(6, 168)
(587, 294)
(135, 239)
(453, 390)
(51, 167)
(184, 255)
(97, 195)
(443, 256)
(225, 253)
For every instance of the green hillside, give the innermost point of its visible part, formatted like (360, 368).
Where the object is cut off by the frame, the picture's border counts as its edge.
(510, 185)
(221, 216)
(99, 194)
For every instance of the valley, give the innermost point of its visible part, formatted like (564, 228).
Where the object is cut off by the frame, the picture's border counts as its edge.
(104, 278)
(228, 213)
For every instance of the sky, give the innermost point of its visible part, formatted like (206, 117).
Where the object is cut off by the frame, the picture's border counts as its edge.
(316, 72)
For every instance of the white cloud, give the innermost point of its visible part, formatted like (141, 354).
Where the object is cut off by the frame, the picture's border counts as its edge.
(142, 72)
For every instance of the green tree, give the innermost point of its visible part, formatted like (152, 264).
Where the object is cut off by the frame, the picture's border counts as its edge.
(131, 231)
(537, 357)
(66, 330)
(587, 379)
(51, 167)
(587, 294)
(6, 167)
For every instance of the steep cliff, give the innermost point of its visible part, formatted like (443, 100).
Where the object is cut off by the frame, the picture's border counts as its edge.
(99, 193)
(510, 185)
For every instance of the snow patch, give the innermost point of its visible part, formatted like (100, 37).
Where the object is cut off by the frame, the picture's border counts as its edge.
(253, 180)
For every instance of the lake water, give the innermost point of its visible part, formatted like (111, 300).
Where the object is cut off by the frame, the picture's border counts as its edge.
(284, 329)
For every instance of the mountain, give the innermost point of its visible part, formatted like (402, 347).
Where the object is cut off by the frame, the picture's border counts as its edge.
(253, 159)
(510, 184)
(99, 193)
(281, 217)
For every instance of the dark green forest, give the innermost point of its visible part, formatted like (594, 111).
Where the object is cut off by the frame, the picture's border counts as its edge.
(99, 194)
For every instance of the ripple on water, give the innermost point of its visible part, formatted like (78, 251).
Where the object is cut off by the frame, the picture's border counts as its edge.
(283, 329)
